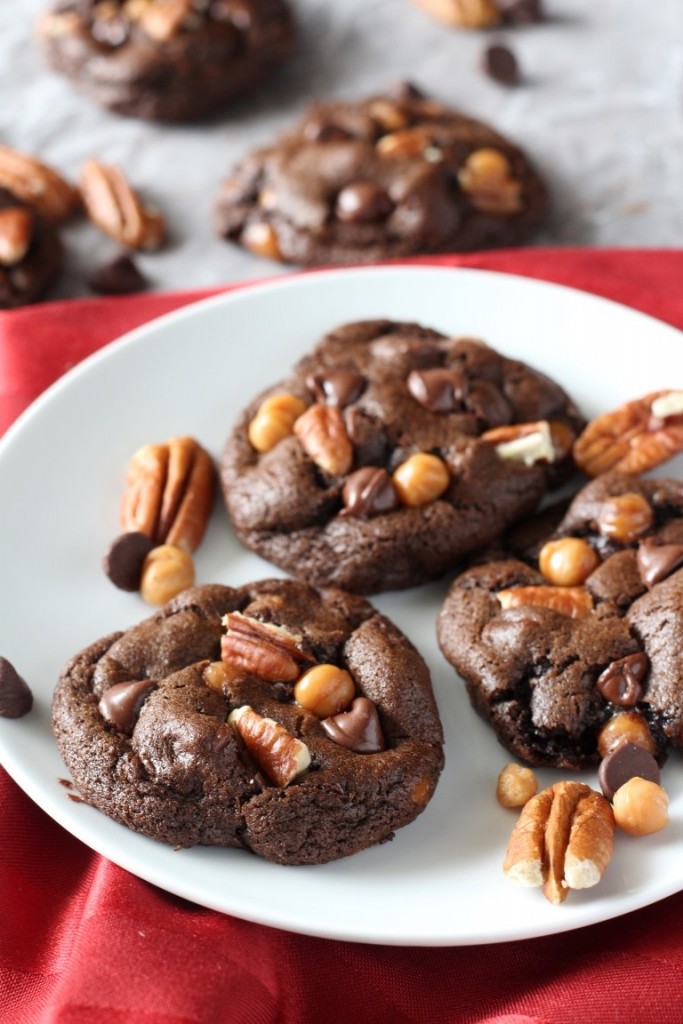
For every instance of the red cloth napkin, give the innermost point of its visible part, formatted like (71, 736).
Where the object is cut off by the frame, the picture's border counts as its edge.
(84, 942)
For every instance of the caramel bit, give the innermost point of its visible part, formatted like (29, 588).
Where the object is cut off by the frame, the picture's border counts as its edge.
(567, 562)
(278, 753)
(487, 180)
(563, 840)
(421, 479)
(575, 602)
(274, 420)
(625, 517)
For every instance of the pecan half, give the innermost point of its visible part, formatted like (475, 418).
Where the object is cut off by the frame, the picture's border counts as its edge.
(262, 649)
(37, 185)
(169, 492)
(278, 753)
(322, 434)
(563, 840)
(116, 209)
(540, 441)
(633, 438)
(575, 602)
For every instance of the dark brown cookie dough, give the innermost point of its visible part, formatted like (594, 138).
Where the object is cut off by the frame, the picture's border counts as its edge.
(31, 254)
(161, 758)
(166, 60)
(415, 392)
(548, 682)
(379, 178)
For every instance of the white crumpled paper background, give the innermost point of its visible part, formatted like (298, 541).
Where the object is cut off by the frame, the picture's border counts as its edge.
(600, 111)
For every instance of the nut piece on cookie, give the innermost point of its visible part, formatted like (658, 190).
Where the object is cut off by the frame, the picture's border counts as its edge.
(278, 753)
(38, 185)
(563, 840)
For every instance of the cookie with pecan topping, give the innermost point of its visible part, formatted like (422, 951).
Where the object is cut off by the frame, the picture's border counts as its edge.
(557, 647)
(390, 453)
(166, 60)
(383, 177)
(299, 724)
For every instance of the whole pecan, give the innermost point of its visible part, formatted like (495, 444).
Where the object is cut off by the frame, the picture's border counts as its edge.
(278, 753)
(169, 492)
(115, 208)
(633, 438)
(262, 649)
(563, 840)
(322, 434)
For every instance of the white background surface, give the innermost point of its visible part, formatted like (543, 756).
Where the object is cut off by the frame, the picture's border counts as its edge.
(601, 113)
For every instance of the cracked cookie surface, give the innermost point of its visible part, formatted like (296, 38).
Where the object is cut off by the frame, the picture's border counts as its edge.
(174, 769)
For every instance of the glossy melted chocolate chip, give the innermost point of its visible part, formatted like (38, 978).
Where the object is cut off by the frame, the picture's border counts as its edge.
(124, 559)
(121, 704)
(337, 387)
(16, 699)
(657, 561)
(363, 201)
(626, 762)
(438, 389)
(622, 681)
(359, 728)
(369, 492)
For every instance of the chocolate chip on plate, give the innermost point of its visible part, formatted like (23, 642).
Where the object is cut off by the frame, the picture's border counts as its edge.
(625, 762)
(123, 561)
(120, 276)
(501, 64)
(16, 699)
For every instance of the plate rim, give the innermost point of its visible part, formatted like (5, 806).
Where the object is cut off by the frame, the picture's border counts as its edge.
(196, 308)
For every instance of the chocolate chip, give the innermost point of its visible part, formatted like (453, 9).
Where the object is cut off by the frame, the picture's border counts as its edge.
(359, 728)
(501, 64)
(438, 390)
(336, 387)
(367, 435)
(363, 201)
(16, 699)
(520, 12)
(121, 704)
(624, 763)
(123, 561)
(488, 403)
(657, 561)
(369, 492)
(118, 277)
(622, 681)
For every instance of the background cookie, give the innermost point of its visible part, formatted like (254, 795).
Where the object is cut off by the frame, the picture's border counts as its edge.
(141, 721)
(550, 668)
(384, 177)
(385, 481)
(173, 61)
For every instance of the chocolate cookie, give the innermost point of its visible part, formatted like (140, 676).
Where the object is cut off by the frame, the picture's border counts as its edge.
(384, 177)
(166, 60)
(390, 453)
(552, 658)
(31, 254)
(295, 723)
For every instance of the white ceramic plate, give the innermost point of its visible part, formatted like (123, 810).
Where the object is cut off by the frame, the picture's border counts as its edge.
(61, 465)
